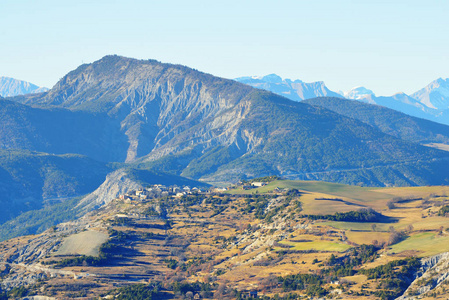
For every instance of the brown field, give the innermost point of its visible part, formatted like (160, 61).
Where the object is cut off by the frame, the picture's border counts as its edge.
(83, 243)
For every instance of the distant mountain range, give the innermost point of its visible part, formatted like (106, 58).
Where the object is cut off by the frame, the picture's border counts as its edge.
(296, 90)
(431, 102)
(120, 116)
(13, 87)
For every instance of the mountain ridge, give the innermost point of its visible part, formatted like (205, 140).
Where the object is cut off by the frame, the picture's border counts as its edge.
(296, 90)
(431, 102)
(13, 87)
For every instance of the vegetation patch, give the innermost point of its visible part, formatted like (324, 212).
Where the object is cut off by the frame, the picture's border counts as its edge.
(394, 277)
(362, 215)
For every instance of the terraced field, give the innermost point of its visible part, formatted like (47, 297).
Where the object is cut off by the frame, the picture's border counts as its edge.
(83, 243)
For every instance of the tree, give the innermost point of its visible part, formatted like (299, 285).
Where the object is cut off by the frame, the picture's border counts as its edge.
(390, 204)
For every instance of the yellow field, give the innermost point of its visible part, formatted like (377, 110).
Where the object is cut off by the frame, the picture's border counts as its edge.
(312, 206)
(357, 226)
(366, 237)
(318, 245)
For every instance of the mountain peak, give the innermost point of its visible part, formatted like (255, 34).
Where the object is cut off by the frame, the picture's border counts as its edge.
(358, 93)
(435, 94)
(272, 78)
(10, 87)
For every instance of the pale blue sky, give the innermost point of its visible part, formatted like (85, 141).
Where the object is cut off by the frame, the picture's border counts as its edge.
(387, 46)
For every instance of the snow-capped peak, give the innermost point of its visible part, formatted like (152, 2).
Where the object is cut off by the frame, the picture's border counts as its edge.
(358, 93)
(435, 94)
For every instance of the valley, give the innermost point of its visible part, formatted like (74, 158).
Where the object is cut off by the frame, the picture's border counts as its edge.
(229, 243)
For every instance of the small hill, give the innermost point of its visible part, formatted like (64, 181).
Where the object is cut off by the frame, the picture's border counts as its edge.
(44, 213)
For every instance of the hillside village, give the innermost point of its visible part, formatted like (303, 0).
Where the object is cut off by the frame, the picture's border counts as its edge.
(160, 190)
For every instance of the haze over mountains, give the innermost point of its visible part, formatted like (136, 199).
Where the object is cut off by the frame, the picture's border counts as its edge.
(150, 120)
(13, 87)
(431, 102)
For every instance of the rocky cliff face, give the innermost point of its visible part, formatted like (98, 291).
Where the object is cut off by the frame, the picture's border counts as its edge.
(152, 101)
(116, 183)
(432, 277)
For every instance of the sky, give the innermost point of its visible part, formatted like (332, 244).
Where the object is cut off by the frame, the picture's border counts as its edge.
(386, 46)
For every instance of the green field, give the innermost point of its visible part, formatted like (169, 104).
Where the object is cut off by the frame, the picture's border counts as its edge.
(83, 243)
(427, 243)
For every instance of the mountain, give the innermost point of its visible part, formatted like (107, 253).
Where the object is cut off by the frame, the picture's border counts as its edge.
(184, 122)
(13, 87)
(435, 95)
(294, 90)
(32, 180)
(357, 93)
(387, 120)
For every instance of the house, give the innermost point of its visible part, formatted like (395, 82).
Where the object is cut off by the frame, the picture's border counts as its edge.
(197, 296)
(253, 294)
(259, 184)
(124, 197)
(141, 192)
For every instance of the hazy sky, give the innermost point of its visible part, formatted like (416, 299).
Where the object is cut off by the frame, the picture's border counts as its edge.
(387, 46)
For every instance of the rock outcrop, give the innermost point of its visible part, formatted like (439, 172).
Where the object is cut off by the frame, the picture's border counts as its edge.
(432, 276)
